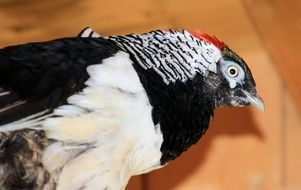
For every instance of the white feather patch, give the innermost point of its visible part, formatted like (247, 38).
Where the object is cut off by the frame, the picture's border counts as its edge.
(116, 72)
(58, 154)
(117, 121)
(89, 32)
(69, 110)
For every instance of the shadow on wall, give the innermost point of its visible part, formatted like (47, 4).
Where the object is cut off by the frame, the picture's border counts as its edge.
(228, 122)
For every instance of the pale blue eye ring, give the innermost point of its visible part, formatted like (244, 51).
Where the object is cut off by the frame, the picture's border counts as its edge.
(232, 71)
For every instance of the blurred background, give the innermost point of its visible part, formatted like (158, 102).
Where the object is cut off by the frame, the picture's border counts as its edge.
(243, 149)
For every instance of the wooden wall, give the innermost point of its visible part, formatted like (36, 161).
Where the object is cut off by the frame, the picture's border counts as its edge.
(243, 149)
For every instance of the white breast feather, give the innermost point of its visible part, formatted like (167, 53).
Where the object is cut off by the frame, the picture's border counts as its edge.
(117, 119)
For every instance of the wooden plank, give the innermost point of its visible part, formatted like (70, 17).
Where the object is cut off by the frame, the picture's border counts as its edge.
(291, 146)
(278, 22)
(33, 20)
(135, 183)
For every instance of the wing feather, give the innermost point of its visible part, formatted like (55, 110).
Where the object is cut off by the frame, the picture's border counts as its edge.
(35, 78)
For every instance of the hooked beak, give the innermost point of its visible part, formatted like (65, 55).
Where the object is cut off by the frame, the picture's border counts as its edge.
(255, 100)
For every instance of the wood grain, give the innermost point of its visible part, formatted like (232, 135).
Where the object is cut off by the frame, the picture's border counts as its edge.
(279, 25)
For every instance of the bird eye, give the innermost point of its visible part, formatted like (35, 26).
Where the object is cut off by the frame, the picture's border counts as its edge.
(233, 71)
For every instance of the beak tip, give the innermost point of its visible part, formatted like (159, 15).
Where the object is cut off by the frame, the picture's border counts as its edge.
(260, 106)
(256, 101)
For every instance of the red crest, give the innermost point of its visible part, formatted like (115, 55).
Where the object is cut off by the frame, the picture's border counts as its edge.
(208, 38)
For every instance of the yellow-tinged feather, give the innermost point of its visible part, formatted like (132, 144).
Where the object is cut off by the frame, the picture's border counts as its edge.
(85, 128)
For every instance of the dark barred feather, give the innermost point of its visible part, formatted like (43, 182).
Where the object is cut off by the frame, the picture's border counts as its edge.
(20, 160)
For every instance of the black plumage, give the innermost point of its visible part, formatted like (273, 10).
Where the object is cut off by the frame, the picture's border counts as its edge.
(44, 74)
(182, 110)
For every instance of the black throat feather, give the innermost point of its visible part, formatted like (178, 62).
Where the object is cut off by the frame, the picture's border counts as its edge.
(171, 69)
(183, 110)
